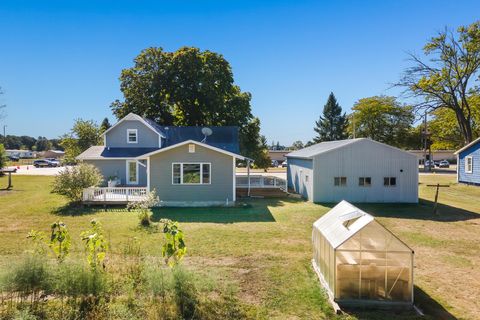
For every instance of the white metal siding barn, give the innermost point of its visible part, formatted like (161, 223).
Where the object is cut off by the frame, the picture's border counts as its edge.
(356, 170)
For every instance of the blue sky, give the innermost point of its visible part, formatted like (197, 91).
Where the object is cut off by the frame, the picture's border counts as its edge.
(60, 60)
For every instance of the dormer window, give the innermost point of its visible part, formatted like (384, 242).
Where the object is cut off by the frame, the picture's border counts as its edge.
(132, 136)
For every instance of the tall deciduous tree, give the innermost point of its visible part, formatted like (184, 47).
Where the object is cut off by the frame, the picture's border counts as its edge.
(447, 79)
(383, 119)
(188, 87)
(83, 135)
(333, 124)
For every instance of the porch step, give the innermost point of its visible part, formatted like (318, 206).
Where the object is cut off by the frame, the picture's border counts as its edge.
(261, 192)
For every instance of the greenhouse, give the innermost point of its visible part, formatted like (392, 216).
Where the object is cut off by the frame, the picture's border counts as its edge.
(359, 261)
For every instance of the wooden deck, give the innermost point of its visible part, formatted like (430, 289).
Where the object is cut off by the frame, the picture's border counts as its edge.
(116, 195)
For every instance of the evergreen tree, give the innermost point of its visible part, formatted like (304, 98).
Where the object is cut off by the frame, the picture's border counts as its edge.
(105, 125)
(332, 125)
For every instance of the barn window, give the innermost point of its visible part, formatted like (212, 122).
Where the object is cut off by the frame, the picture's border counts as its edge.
(340, 181)
(191, 148)
(468, 164)
(390, 181)
(365, 181)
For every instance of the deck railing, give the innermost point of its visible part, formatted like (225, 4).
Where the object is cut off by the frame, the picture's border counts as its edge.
(116, 194)
(259, 181)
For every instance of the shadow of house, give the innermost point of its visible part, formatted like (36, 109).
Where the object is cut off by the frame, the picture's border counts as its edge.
(421, 211)
(251, 210)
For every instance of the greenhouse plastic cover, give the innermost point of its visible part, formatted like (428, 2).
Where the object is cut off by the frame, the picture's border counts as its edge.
(341, 223)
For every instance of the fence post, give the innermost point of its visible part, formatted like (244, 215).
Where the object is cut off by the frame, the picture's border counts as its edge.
(104, 195)
(126, 193)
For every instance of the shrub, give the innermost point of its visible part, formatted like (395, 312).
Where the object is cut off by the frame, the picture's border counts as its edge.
(3, 156)
(60, 240)
(143, 207)
(70, 182)
(174, 246)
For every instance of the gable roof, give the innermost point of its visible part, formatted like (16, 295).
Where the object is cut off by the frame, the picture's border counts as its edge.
(105, 153)
(132, 116)
(235, 155)
(332, 224)
(474, 142)
(327, 146)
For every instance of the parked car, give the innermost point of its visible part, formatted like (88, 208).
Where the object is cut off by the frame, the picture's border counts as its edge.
(55, 162)
(13, 158)
(284, 164)
(429, 163)
(42, 163)
(274, 163)
(444, 164)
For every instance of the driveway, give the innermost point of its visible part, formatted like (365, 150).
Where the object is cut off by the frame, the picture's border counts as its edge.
(32, 171)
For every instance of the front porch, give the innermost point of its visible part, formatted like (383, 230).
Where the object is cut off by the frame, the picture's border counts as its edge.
(113, 195)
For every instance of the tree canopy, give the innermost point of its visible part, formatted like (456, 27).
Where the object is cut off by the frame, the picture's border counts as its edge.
(383, 119)
(188, 87)
(83, 135)
(449, 77)
(333, 124)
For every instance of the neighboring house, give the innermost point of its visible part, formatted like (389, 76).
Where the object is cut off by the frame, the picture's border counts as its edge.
(185, 167)
(57, 154)
(437, 155)
(25, 154)
(356, 170)
(468, 163)
(278, 155)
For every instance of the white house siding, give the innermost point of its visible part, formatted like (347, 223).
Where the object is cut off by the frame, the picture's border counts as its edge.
(366, 158)
(297, 172)
(219, 192)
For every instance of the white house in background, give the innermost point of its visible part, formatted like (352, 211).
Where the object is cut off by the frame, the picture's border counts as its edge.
(20, 153)
(356, 170)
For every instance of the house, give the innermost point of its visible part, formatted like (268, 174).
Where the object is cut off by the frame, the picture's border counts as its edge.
(22, 154)
(56, 154)
(359, 261)
(437, 155)
(468, 163)
(277, 156)
(356, 170)
(187, 166)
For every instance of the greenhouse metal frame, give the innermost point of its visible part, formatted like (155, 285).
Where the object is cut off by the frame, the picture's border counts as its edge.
(359, 261)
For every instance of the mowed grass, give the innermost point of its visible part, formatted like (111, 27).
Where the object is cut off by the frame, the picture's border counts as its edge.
(263, 248)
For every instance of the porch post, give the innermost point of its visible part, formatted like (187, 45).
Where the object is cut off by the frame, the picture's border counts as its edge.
(248, 175)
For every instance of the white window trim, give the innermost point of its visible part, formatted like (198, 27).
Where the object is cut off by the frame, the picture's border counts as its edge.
(127, 177)
(466, 164)
(201, 174)
(364, 180)
(389, 184)
(128, 135)
(340, 185)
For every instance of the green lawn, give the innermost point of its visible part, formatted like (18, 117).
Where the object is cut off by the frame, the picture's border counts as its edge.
(264, 248)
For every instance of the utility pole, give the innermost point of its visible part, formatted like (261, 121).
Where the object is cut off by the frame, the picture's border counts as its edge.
(425, 143)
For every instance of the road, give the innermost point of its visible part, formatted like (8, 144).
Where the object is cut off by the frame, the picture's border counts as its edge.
(32, 171)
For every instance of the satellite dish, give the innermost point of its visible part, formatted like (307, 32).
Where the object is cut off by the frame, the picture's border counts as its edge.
(206, 132)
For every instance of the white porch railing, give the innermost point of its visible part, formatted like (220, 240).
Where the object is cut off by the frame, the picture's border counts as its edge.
(259, 181)
(116, 194)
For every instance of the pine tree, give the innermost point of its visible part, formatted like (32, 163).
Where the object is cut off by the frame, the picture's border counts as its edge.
(105, 125)
(332, 125)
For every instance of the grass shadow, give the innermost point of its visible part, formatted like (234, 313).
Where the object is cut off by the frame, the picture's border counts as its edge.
(429, 306)
(246, 210)
(419, 211)
(81, 210)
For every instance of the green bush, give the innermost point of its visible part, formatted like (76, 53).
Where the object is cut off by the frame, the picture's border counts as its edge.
(71, 181)
(3, 156)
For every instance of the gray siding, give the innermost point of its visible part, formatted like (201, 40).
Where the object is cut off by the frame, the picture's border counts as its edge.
(146, 137)
(300, 176)
(222, 177)
(366, 159)
(118, 168)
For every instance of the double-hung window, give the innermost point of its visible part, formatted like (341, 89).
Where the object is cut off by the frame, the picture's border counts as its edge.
(340, 181)
(191, 173)
(468, 164)
(132, 136)
(365, 181)
(390, 181)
